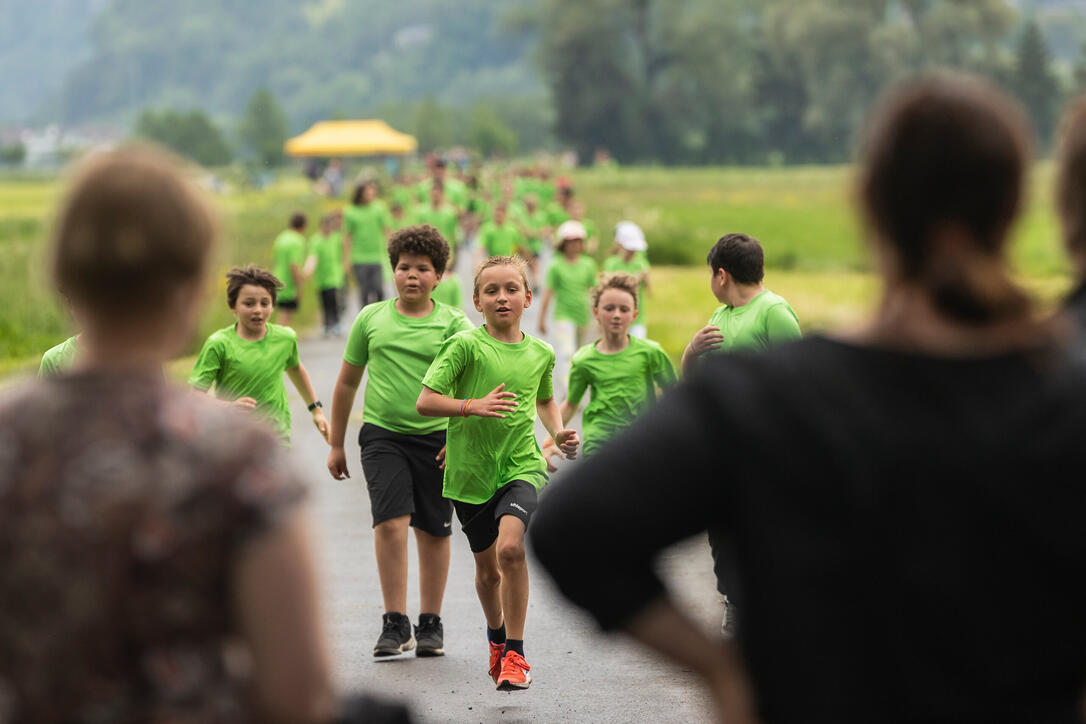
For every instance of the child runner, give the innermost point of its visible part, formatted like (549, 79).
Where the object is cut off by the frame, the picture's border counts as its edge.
(246, 361)
(439, 214)
(289, 254)
(366, 225)
(398, 339)
(493, 381)
(631, 259)
(500, 236)
(621, 370)
(750, 317)
(448, 290)
(570, 277)
(327, 247)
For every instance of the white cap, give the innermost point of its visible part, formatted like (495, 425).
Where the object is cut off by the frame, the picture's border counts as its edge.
(571, 229)
(629, 236)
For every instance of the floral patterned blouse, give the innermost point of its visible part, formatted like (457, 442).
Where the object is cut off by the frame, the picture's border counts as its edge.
(123, 506)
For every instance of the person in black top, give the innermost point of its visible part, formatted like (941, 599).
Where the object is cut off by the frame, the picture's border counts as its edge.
(1071, 202)
(904, 503)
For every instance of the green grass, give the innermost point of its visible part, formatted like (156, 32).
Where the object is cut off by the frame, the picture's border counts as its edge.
(33, 320)
(803, 216)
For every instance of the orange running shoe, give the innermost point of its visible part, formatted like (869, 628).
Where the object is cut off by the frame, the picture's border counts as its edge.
(514, 674)
(496, 652)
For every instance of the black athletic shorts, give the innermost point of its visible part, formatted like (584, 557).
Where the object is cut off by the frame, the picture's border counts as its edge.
(480, 520)
(290, 305)
(403, 478)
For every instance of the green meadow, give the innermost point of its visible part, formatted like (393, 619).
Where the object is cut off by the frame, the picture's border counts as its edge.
(815, 253)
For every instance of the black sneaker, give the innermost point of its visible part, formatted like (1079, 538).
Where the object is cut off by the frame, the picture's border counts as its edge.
(395, 636)
(431, 636)
(728, 625)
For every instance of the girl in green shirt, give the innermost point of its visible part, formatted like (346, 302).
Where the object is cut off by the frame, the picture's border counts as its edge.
(493, 382)
(623, 372)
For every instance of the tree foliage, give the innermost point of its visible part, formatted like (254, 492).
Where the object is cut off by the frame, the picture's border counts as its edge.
(1034, 82)
(733, 80)
(263, 129)
(190, 133)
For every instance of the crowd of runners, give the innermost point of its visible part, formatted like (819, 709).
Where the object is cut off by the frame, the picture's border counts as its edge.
(856, 490)
(449, 408)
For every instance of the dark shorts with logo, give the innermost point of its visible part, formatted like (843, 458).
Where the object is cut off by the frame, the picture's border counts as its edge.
(291, 305)
(480, 520)
(404, 478)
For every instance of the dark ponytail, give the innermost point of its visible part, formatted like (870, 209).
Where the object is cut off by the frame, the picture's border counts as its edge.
(942, 179)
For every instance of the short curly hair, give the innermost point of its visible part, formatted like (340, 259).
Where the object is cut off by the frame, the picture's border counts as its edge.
(423, 240)
(238, 277)
(617, 280)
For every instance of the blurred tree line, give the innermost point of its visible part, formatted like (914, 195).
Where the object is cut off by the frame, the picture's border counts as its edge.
(769, 81)
(673, 81)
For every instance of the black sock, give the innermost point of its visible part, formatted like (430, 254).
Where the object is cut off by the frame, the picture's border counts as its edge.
(496, 635)
(514, 645)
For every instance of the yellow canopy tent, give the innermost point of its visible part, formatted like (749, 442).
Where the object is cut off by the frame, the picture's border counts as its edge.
(351, 138)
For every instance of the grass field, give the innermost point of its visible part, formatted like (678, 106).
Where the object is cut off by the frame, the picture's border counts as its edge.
(802, 215)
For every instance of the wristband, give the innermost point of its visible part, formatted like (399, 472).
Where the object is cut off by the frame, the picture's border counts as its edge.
(465, 405)
(315, 405)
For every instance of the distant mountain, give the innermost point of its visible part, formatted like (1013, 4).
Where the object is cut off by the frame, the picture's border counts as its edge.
(40, 42)
(85, 61)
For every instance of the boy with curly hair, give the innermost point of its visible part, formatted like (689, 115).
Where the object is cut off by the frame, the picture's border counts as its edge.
(402, 450)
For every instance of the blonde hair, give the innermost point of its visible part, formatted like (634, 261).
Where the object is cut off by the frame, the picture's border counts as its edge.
(514, 261)
(131, 227)
(617, 280)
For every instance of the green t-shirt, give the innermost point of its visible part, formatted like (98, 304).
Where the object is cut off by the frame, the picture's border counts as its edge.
(555, 214)
(533, 224)
(623, 386)
(245, 368)
(501, 240)
(634, 266)
(448, 290)
(59, 359)
(763, 321)
(398, 351)
(456, 191)
(289, 249)
(571, 282)
(485, 453)
(366, 225)
(444, 219)
(329, 253)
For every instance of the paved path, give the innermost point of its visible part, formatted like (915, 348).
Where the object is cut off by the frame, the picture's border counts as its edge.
(578, 674)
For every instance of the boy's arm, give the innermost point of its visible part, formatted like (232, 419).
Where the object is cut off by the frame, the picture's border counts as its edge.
(706, 339)
(432, 403)
(350, 377)
(551, 417)
(346, 251)
(301, 381)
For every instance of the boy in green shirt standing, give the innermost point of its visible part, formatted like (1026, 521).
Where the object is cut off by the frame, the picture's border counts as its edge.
(326, 246)
(750, 316)
(493, 381)
(570, 277)
(366, 225)
(631, 259)
(245, 361)
(398, 339)
(289, 265)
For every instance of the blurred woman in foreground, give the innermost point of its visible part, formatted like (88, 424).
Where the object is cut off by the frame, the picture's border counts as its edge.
(905, 503)
(154, 565)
